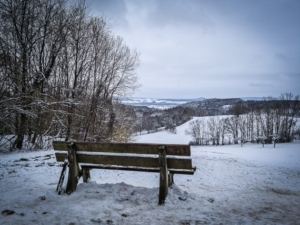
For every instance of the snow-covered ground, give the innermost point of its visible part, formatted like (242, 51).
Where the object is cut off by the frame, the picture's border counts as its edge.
(232, 185)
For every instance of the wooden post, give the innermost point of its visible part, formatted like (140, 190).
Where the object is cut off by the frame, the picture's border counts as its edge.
(73, 169)
(85, 174)
(163, 183)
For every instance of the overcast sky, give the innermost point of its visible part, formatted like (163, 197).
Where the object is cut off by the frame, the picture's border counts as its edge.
(210, 48)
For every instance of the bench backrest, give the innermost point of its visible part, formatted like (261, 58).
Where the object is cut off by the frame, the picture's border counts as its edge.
(126, 154)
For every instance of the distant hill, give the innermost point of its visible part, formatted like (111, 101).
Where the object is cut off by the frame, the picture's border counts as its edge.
(166, 103)
(157, 103)
(212, 107)
(154, 114)
(252, 98)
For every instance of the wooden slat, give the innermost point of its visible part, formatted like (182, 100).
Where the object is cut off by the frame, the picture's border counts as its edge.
(117, 148)
(129, 168)
(60, 145)
(173, 163)
(133, 148)
(179, 163)
(181, 171)
(60, 157)
(181, 150)
(138, 169)
(118, 160)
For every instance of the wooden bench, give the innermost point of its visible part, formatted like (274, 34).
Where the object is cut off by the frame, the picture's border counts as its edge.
(165, 159)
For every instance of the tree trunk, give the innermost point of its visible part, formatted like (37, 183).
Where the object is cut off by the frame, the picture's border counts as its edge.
(20, 132)
(70, 122)
(112, 117)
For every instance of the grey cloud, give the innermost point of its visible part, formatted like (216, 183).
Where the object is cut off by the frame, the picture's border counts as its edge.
(178, 12)
(261, 85)
(282, 57)
(275, 21)
(114, 10)
(248, 48)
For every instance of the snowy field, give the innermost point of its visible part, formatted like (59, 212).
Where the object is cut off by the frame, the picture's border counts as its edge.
(232, 185)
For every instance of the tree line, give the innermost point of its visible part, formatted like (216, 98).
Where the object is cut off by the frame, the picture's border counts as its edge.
(61, 70)
(271, 120)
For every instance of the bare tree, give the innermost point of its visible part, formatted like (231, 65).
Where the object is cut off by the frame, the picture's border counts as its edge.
(31, 35)
(291, 109)
(61, 71)
(222, 129)
(113, 75)
(214, 129)
(197, 130)
(243, 128)
(231, 124)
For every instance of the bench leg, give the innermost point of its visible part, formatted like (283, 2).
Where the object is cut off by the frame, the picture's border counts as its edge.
(73, 169)
(85, 174)
(163, 183)
(171, 179)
